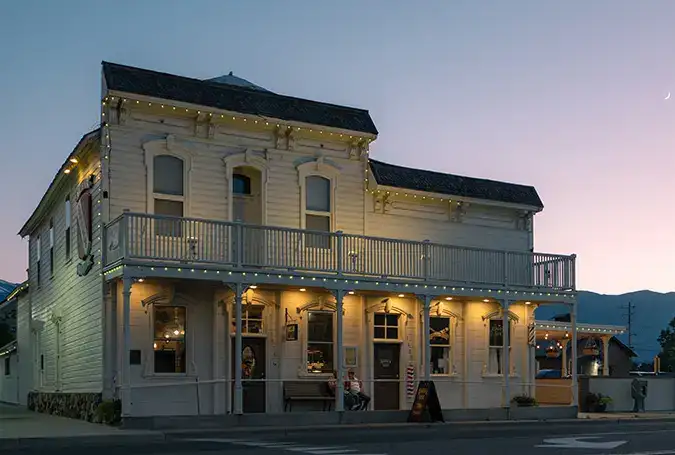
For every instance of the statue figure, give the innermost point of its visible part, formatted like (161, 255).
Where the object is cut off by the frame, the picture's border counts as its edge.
(638, 391)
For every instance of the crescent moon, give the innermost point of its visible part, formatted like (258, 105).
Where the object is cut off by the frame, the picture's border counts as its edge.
(667, 96)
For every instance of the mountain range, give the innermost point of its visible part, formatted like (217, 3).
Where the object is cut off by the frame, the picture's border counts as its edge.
(5, 288)
(651, 312)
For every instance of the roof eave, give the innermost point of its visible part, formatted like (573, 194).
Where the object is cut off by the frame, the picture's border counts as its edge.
(488, 202)
(60, 176)
(197, 107)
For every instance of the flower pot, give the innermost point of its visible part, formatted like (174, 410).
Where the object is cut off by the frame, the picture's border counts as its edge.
(601, 407)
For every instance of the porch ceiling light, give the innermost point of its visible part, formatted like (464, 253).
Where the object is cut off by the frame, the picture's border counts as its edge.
(528, 303)
(486, 300)
(302, 289)
(73, 160)
(401, 295)
(448, 298)
(253, 286)
(351, 292)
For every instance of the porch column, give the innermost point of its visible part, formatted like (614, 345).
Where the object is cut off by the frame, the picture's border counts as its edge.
(605, 355)
(563, 369)
(126, 350)
(238, 391)
(426, 337)
(506, 357)
(575, 343)
(340, 386)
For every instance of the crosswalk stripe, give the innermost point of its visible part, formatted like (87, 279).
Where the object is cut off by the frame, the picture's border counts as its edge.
(308, 449)
(332, 451)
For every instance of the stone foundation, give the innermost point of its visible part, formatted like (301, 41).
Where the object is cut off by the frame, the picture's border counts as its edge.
(73, 405)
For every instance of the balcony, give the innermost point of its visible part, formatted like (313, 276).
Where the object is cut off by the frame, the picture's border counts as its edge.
(161, 240)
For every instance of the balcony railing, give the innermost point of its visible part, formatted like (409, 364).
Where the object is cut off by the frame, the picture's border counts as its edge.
(187, 240)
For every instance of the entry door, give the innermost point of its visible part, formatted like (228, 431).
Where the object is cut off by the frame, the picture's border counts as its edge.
(386, 371)
(252, 367)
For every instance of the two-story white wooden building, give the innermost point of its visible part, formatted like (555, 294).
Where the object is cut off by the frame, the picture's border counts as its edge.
(214, 243)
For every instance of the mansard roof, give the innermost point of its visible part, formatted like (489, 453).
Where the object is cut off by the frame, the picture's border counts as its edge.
(454, 185)
(235, 98)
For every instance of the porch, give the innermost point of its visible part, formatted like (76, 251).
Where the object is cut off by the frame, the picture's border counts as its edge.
(185, 339)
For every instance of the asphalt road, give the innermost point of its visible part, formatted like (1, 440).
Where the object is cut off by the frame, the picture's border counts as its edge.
(581, 438)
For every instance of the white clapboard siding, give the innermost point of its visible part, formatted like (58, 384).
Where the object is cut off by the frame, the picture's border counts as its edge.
(77, 299)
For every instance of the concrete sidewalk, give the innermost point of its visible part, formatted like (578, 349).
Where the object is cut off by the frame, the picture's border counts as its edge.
(657, 415)
(22, 428)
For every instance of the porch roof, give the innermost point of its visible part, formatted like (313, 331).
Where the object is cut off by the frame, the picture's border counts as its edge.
(8, 348)
(554, 327)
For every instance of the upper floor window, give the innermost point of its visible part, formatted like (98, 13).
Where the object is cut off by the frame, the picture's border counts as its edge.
(51, 247)
(168, 193)
(38, 259)
(241, 184)
(318, 205)
(67, 230)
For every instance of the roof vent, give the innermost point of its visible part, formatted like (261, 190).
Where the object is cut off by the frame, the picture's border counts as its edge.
(231, 79)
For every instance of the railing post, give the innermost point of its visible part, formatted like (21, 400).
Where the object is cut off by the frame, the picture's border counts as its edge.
(573, 270)
(426, 248)
(340, 252)
(506, 269)
(239, 239)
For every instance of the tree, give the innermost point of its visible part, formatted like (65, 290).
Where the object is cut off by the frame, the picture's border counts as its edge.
(667, 341)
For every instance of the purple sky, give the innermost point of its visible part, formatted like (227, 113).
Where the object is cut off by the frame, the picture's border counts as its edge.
(566, 96)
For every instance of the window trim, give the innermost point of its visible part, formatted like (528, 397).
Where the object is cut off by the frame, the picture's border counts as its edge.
(305, 342)
(318, 168)
(168, 147)
(151, 360)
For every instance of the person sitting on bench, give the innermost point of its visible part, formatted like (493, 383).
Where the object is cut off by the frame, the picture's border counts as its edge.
(354, 386)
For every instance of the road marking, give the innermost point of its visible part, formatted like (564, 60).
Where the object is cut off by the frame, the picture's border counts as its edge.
(580, 443)
(288, 446)
(657, 452)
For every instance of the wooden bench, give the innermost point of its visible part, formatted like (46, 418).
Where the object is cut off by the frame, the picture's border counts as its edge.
(307, 391)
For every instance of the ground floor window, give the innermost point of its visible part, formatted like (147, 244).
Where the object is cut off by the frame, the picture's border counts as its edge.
(8, 364)
(320, 342)
(439, 338)
(495, 363)
(169, 339)
(251, 320)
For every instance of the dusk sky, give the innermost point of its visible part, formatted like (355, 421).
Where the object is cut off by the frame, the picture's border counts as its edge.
(566, 96)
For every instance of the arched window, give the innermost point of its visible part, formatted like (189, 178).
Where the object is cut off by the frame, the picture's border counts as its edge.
(168, 187)
(318, 208)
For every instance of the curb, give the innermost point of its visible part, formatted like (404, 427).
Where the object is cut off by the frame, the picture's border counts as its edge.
(7, 444)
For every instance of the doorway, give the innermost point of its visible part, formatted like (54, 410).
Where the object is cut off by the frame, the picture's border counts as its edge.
(253, 364)
(386, 372)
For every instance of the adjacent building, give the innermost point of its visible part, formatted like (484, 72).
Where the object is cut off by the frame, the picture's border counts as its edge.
(213, 243)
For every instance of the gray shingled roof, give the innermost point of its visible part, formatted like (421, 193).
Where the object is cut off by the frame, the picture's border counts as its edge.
(234, 98)
(453, 185)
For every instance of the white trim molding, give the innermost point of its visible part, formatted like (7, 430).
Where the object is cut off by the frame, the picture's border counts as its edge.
(167, 146)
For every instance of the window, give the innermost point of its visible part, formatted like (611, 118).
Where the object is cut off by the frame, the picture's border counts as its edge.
(169, 342)
(241, 184)
(67, 231)
(251, 320)
(385, 326)
(168, 193)
(319, 342)
(496, 346)
(318, 211)
(8, 364)
(51, 247)
(38, 254)
(439, 338)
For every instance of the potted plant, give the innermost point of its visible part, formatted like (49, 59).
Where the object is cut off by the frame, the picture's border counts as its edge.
(603, 401)
(523, 401)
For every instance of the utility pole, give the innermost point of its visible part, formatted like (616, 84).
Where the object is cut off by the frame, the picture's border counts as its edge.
(630, 311)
